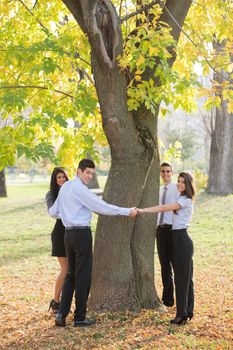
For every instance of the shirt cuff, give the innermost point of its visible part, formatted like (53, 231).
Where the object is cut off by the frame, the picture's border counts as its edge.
(125, 211)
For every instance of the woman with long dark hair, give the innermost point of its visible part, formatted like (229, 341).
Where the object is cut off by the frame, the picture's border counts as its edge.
(182, 246)
(58, 178)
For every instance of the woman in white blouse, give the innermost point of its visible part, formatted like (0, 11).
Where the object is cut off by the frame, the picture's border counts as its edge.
(182, 246)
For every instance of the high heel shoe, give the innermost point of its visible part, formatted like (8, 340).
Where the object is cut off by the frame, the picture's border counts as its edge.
(190, 315)
(54, 306)
(179, 320)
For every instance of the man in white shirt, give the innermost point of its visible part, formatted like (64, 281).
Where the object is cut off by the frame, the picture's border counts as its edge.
(74, 205)
(168, 193)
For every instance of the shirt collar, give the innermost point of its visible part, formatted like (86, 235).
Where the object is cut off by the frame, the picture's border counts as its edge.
(167, 185)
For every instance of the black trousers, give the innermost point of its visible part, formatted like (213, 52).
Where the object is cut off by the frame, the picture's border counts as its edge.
(78, 243)
(183, 272)
(165, 252)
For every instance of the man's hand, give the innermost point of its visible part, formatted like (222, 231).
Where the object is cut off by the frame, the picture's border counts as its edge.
(139, 211)
(133, 212)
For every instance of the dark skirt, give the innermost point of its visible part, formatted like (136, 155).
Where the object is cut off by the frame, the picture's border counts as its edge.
(57, 238)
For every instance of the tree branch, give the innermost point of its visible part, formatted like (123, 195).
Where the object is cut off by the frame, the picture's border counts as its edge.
(76, 10)
(142, 9)
(35, 87)
(194, 44)
(77, 55)
(105, 25)
(40, 23)
(88, 76)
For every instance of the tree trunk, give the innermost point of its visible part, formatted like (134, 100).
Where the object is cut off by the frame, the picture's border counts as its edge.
(3, 192)
(221, 154)
(114, 282)
(123, 268)
(143, 241)
(220, 179)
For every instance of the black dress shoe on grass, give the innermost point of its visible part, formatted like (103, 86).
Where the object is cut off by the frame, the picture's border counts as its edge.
(179, 320)
(60, 320)
(84, 323)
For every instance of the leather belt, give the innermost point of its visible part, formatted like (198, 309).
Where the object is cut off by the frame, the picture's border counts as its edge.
(77, 228)
(165, 226)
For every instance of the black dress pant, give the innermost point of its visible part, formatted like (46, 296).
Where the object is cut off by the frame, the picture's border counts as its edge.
(165, 253)
(183, 272)
(78, 243)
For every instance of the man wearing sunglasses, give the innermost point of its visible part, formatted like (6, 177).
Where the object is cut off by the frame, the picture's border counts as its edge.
(168, 193)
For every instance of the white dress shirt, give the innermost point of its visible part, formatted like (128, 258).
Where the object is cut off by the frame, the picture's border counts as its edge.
(75, 203)
(183, 215)
(171, 196)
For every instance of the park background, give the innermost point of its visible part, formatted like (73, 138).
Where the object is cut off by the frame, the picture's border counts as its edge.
(27, 274)
(156, 87)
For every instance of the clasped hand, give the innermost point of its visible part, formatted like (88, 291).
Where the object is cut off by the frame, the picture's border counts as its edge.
(135, 211)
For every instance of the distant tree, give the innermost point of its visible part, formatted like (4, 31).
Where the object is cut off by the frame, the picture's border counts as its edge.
(212, 43)
(188, 141)
(220, 179)
(3, 192)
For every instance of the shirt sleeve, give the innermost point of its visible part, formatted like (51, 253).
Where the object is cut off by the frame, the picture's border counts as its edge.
(99, 206)
(54, 209)
(183, 201)
(49, 200)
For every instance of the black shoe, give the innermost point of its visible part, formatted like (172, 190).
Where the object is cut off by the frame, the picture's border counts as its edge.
(60, 320)
(84, 323)
(190, 315)
(54, 306)
(179, 320)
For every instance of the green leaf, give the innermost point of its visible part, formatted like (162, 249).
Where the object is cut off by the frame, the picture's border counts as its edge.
(49, 65)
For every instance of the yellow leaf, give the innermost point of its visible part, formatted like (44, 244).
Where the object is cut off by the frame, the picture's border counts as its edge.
(153, 51)
(137, 77)
(140, 60)
(230, 107)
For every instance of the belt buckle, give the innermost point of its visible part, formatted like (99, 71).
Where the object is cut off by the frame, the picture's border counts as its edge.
(165, 226)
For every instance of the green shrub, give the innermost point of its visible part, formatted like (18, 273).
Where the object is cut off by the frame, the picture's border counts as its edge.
(201, 180)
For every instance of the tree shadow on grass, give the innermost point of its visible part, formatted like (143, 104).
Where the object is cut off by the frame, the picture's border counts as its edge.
(20, 209)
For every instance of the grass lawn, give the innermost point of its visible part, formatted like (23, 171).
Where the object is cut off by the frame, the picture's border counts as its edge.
(27, 274)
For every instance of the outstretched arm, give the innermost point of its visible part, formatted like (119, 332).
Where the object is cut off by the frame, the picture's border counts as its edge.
(159, 208)
(91, 201)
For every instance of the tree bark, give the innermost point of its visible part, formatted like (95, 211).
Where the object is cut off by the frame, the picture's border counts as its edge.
(123, 268)
(3, 192)
(220, 179)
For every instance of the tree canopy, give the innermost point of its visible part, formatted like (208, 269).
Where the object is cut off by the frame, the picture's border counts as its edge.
(46, 80)
(46, 84)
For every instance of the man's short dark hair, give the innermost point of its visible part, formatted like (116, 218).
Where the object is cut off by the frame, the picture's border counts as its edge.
(86, 163)
(165, 164)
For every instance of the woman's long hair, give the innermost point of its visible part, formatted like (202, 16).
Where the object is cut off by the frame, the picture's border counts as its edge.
(54, 188)
(190, 190)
